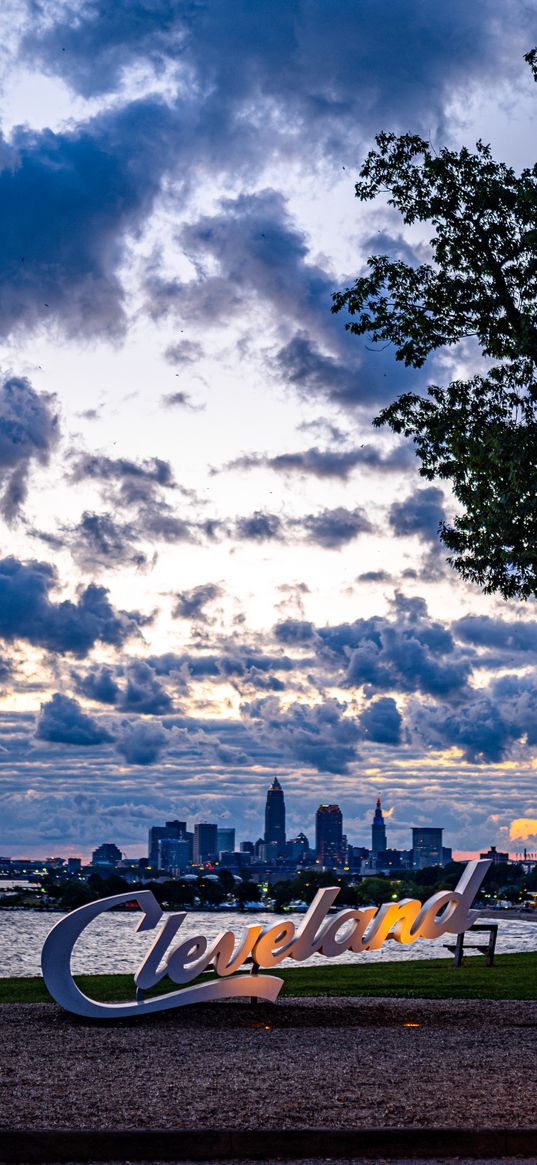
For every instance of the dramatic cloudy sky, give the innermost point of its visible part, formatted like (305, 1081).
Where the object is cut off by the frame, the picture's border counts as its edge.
(213, 569)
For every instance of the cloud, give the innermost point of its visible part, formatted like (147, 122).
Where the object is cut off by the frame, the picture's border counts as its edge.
(27, 612)
(421, 513)
(184, 353)
(191, 604)
(314, 83)
(62, 721)
(334, 528)
(381, 721)
(172, 400)
(98, 541)
(328, 463)
(294, 631)
(99, 684)
(259, 527)
(478, 729)
(71, 200)
(143, 692)
(507, 635)
(29, 431)
(375, 576)
(321, 735)
(332, 70)
(407, 653)
(137, 481)
(523, 829)
(142, 743)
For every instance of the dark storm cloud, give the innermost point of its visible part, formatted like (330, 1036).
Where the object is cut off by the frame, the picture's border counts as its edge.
(27, 612)
(319, 735)
(331, 68)
(421, 513)
(70, 200)
(132, 687)
(329, 463)
(142, 742)
(191, 604)
(478, 729)
(143, 693)
(29, 431)
(381, 721)
(99, 684)
(62, 721)
(485, 631)
(407, 653)
(314, 80)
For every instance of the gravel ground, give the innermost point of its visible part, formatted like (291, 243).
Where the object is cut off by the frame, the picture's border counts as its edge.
(303, 1063)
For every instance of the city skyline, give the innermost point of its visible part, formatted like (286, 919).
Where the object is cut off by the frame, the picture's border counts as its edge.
(215, 573)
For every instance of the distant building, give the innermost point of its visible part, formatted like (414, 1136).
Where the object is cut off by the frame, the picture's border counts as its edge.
(205, 842)
(174, 854)
(74, 866)
(172, 829)
(427, 848)
(378, 835)
(107, 854)
(275, 817)
(329, 834)
(225, 840)
(297, 847)
(247, 847)
(496, 856)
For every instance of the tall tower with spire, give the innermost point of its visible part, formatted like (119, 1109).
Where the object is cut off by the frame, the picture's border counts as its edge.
(378, 834)
(275, 816)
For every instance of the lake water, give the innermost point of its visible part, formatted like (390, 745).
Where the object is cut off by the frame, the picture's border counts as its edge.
(110, 943)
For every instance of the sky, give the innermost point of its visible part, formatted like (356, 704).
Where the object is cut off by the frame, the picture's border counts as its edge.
(213, 569)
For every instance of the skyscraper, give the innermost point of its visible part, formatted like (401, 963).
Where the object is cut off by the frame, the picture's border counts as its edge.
(427, 847)
(205, 842)
(329, 834)
(172, 829)
(378, 834)
(275, 817)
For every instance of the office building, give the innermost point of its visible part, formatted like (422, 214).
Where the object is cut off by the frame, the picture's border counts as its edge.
(427, 849)
(174, 854)
(378, 835)
(205, 842)
(275, 817)
(225, 840)
(157, 833)
(329, 834)
(107, 854)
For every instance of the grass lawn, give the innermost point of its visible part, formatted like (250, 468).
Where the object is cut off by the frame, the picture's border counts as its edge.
(511, 977)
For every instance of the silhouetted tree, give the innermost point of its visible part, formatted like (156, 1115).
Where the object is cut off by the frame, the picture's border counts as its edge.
(481, 282)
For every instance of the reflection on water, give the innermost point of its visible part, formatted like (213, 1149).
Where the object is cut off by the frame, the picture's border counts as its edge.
(110, 943)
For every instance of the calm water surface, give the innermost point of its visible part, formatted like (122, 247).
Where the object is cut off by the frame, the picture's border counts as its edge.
(110, 943)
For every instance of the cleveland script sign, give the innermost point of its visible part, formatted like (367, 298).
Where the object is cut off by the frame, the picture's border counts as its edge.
(182, 962)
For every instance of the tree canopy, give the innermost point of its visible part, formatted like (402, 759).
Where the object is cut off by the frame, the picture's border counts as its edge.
(480, 283)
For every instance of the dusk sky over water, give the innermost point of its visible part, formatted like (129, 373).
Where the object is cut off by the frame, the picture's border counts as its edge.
(213, 569)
